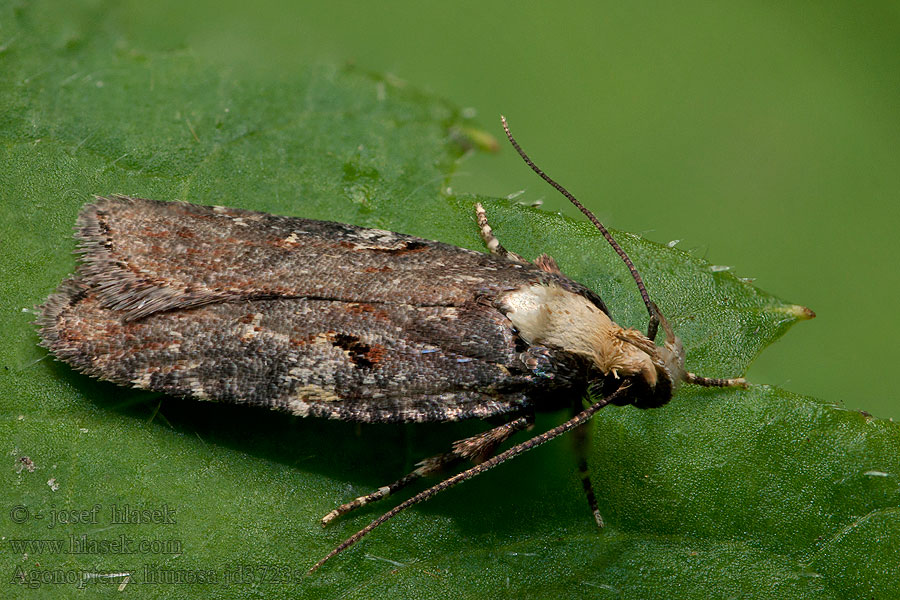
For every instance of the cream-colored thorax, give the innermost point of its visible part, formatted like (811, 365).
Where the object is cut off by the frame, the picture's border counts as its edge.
(549, 315)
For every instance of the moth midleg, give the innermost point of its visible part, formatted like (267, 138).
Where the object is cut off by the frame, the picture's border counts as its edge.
(490, 240)
(477, 448)
(580, 438)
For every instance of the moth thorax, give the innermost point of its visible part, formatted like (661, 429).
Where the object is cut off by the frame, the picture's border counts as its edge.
(549, 315)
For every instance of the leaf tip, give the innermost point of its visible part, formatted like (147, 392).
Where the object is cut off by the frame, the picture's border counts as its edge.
(803, 313)
(797, 311)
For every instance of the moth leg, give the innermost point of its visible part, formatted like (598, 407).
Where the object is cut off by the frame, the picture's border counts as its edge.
(490, 240)
(580, 438)
(714, 381)
(477, 448)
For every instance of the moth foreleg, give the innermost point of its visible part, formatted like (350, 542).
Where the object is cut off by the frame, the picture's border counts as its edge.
(714, 381)
(580, 439)
(476, 448)
(490, 240)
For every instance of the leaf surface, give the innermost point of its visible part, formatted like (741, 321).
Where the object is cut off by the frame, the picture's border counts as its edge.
(722, 492)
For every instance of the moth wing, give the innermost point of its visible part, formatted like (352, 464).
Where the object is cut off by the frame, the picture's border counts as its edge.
(355, 361)
(145, 256)
(311, 317)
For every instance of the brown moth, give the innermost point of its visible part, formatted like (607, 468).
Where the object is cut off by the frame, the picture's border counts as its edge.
(331, 320)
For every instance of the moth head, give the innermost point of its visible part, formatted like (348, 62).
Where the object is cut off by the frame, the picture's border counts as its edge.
(661, 372)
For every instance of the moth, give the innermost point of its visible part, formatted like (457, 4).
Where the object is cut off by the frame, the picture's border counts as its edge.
(332, 320)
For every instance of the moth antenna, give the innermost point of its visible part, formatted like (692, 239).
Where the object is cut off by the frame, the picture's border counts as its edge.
(537, 440)
(651, 307)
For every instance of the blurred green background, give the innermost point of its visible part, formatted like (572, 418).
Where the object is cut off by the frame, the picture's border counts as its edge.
(762, 135)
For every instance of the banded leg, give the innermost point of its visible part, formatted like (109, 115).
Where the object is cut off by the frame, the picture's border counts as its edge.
(714, 381)
(573, 423)
(490, 240)
(477, 448)
(580, 439)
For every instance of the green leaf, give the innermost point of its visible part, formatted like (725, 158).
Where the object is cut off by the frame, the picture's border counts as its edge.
(722, 492)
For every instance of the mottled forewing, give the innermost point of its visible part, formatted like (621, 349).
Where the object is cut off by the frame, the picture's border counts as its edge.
(147, 256)
(342, 360)
(310, 317)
